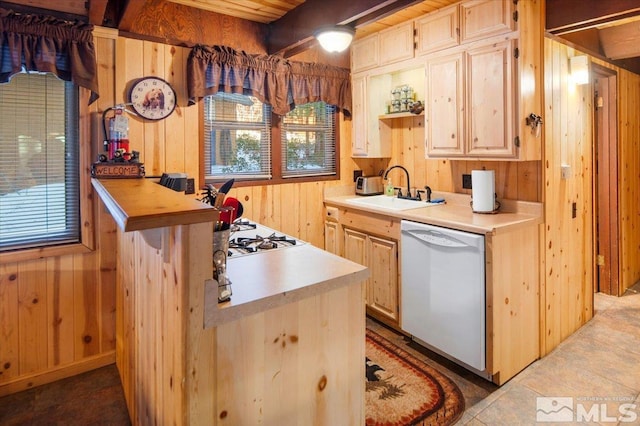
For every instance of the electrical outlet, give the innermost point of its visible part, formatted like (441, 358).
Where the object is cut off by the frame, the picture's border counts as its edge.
(466, 181)
(191, 186)
(356, 174)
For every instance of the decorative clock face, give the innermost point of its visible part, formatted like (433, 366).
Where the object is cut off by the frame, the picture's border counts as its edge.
(152, 98)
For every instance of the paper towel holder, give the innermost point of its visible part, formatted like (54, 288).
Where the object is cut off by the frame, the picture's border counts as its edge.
(496, 204)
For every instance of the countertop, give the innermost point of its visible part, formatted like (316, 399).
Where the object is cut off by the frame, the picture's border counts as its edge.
(138, 204)
(456, 213)
(270, 279)
(259, 281)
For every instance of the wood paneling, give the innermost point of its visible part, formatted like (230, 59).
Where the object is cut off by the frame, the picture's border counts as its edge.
(57, 313)
(567, 297)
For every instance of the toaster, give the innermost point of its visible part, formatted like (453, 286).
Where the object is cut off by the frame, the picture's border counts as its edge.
(369, 185)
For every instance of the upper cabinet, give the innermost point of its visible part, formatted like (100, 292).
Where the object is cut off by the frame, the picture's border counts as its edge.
(485, 18)
(383, 48)
(490, 101)
(482, 77)
(438, 30)
(396, 43)
(365, 53)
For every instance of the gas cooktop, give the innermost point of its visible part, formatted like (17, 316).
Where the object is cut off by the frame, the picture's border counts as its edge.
(248, 237)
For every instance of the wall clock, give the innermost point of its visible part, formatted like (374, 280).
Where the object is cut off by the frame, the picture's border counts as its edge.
(152, 98)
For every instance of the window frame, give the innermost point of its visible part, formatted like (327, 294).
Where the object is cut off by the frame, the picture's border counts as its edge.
(276, 156)
(87, 217)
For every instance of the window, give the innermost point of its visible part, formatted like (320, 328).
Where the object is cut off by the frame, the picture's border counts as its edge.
(39, 151)
(242, 143)
(308, 141)
(237, 137)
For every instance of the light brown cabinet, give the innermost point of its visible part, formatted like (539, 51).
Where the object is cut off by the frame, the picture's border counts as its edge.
(485, 18)
(471, 109)
(372, 241)
(490, 107)
(383, 48)
(396, 43)
(438, 30)
(481, 80)
(366, 140)
(380, 256)
(365, 53)
(444, 121)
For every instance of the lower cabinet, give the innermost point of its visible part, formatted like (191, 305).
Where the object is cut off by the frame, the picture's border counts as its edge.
(372, 241)
(381, 257)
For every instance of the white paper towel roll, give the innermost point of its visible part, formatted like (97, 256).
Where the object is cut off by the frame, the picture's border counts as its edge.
(483, 190)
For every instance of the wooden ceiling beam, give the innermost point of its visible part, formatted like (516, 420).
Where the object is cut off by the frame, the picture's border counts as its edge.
(97, 10)
(132, 10)
(565, 16)
(294, 31)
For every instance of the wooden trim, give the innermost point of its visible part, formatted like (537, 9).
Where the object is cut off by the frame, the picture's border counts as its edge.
(43, 252)
(30, 381)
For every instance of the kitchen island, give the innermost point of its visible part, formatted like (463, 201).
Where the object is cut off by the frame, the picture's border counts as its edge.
(287, 349)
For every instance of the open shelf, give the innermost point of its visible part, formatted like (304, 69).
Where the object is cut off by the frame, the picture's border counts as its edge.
(398, 115)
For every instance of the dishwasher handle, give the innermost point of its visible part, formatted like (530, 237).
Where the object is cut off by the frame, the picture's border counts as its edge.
(435, 238)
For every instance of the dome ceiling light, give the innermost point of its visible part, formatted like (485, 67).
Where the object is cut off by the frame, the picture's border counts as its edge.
(335, 38)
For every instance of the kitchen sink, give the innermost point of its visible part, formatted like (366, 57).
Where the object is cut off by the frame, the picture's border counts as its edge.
(390, 203)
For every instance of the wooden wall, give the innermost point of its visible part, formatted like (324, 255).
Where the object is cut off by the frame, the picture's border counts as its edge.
(569, 243)
(57, 314)
(567, 293)
(628, 175)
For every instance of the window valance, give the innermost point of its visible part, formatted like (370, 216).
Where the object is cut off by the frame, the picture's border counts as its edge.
(276, 81)
(47, 44)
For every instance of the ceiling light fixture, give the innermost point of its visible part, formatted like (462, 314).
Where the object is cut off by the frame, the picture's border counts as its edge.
(335, 38)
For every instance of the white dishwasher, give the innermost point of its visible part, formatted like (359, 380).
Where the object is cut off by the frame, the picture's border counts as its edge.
(443, 291)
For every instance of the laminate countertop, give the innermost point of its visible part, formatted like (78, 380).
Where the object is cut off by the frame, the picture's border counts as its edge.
(269, 279)
(259, 281)
(456, 213)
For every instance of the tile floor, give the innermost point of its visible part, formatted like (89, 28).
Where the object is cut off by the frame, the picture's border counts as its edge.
(599, 364)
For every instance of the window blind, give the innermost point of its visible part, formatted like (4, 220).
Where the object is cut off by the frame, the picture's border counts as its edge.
(237, 135)
(308, 141)
(39, 170)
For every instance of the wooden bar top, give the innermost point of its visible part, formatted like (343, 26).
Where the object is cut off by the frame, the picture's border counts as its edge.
(138, 204)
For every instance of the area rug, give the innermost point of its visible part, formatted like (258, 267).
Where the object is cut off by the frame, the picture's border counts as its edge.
(401, 390)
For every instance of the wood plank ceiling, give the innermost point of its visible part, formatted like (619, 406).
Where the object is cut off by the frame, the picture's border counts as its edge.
(609, 29)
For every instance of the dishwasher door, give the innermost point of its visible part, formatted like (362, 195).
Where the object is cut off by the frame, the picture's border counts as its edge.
(443, 291)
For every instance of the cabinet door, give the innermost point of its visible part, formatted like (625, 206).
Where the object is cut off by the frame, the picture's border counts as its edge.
(490, 105)
(383, 283)
(365, 53)
(396, 43)
(355, 249)
(484, 18)
(445, 106)
(331, 237)
(437, 31)
(358, 118)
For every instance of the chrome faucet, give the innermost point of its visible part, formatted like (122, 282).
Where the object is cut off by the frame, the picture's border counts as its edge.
(408, 184)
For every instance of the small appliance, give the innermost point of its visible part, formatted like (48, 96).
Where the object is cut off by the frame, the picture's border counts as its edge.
(369, 185)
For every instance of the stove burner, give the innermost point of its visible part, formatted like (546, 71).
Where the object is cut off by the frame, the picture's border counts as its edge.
(242, 225)
(251, 245)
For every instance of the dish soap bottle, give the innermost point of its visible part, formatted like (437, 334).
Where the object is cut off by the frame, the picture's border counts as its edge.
(388, 189)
